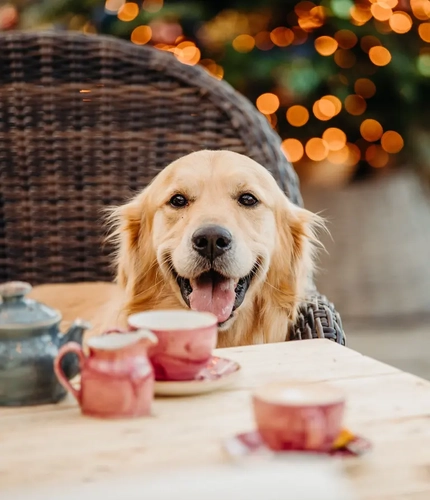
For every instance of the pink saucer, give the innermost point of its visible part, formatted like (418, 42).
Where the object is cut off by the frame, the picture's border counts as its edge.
(250, 443)
(218, 373)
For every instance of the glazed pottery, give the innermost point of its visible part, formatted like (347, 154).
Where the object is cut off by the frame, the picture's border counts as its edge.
(117, 379)
(186, 340)
(29, 342)
(298, 416)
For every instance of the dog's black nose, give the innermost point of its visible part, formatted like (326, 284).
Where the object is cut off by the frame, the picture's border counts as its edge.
(211, 241)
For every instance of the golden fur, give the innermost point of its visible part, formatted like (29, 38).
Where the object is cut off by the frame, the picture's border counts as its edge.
(152, 237)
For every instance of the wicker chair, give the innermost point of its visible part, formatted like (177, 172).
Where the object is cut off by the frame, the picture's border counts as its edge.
(87, 120)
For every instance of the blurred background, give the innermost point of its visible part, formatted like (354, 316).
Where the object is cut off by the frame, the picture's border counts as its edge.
(346, 84)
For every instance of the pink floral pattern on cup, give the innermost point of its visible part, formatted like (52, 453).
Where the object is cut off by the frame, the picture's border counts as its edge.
(294, 416)
(186, 340)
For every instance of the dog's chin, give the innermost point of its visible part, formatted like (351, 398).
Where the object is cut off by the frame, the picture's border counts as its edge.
(215, 279)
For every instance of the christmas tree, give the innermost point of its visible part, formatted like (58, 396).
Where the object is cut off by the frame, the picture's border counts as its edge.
(345, 83)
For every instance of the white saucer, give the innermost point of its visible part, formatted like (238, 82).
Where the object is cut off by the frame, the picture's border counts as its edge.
(218, 373)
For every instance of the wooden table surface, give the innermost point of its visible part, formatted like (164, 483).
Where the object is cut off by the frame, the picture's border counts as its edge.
(51, 444)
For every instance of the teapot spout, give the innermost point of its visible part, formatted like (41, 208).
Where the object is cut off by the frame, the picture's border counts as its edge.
(70, 363)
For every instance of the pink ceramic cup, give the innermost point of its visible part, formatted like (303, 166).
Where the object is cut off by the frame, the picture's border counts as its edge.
(186, 340)
(298, 416)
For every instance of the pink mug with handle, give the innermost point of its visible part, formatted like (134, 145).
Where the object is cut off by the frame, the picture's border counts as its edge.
(298, 416)
(117, 378)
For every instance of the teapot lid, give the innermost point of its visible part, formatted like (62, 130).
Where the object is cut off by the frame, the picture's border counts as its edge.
(18, 312)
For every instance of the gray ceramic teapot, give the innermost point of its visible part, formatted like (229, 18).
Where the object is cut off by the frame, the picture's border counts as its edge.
(29, 342)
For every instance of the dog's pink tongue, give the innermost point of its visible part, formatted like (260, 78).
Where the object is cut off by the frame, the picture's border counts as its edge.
(216, 297)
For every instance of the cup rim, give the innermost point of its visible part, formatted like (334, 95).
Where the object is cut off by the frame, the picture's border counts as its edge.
(319, 394)
(117, 341)
(165, 320)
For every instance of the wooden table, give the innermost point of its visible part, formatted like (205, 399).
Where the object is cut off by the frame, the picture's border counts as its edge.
(50, 444)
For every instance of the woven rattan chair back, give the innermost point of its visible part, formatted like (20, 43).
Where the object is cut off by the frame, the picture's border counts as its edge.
(85, 122)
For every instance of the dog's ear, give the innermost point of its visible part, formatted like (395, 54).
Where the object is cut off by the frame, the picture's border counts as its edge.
(293, 261)
(131, 233)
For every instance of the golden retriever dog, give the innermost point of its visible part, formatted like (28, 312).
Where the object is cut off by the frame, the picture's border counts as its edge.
(214, 232)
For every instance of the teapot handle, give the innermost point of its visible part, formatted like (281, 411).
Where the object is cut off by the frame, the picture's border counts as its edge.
(74, 348)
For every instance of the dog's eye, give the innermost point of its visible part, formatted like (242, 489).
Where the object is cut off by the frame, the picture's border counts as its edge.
(247, 200)
(178, 201)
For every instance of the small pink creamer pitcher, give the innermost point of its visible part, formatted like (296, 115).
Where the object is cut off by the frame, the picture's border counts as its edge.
(117, 378)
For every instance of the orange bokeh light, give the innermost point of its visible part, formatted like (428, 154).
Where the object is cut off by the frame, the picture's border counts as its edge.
(376, 156)
(360, 15)
(316, 149)
(128, 12)
(302, 9)
(346, 39)
(282, 37)
(297, 116)
(243, 43)
(293, 149)
(334, 138)
(268, 103)
(381, 11)
(421, 9)
(400, 22)
(326, 45)
(263, 40)
(424, 31)
(371, 130)
(349, 155)
(141, 35)
(380, 56)
(300, 36)
(369, 41)
(365, 87)
(355, 105)
(187, 53)
(114, 5)
(344, 58)
(392, 142)
(312, 19)
(391, 3)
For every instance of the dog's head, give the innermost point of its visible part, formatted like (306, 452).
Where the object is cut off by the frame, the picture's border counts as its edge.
(210, 230)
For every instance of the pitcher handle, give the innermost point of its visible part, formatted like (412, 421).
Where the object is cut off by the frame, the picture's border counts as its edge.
(74, 348)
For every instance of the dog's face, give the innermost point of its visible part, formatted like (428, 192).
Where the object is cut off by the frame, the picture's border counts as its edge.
(214, 226)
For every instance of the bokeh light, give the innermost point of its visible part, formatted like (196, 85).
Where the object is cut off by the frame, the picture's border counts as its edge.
(268, 103)
(263, 40)
(381, 11)
(376, 156)
(141, 35)
(400, 22)
(380, 56)
(346, 39)
(187, 53)
(282, 37)
(365, 87)
(334, 138)
(360, 14)
(424, 31)
(371, 130)
(355, 104)
(243, 43)
(423, 64)
(344, 58)
(114, 5)
(152, 5)
(392, 142)
(325, 45)
(421, 9)
(316, 149)
(297, 116)
(369, 41)
(293, 149)
(128, 12)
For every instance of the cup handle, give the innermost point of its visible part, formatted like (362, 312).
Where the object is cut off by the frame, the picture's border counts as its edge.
(74, 348)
